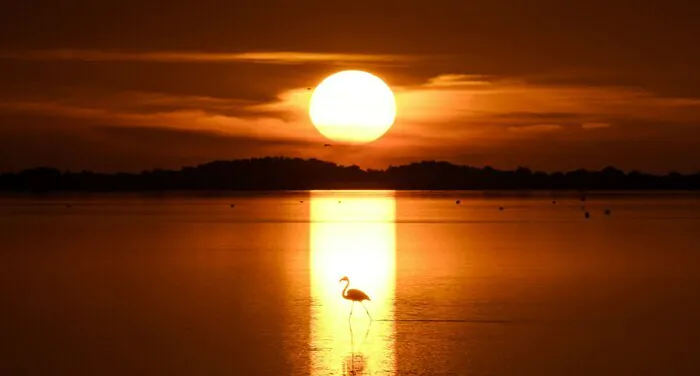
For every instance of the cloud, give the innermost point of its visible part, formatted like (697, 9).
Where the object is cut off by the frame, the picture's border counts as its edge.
(538, 128)
(508, 102)
(595, 125)
(528, 115)
(458, 80)
(264, 57)
(258, 122)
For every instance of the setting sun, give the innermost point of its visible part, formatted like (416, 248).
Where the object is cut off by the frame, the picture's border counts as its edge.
(352, 107)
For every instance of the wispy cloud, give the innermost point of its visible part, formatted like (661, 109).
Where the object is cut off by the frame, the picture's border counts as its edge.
(264, 57)
(538, 128)
(458, 80)
(595, 125)
(264, 124)
(474, 99)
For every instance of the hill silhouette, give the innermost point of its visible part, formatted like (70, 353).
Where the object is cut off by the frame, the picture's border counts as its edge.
(279, 173)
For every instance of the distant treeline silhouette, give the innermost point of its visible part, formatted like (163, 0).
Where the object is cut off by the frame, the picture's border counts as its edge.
(278, 173)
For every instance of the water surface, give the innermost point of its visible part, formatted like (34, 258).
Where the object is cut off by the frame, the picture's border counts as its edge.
(189, 285)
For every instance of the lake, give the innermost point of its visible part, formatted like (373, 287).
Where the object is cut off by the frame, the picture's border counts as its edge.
(248, 284)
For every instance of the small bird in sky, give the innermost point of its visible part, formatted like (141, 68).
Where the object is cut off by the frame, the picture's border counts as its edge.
(327, 145)
(355, 296)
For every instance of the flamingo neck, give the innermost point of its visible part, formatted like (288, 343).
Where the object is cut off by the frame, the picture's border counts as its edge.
(347, 283)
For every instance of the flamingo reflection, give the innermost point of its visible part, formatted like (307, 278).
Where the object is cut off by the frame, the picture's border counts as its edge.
(355, 363)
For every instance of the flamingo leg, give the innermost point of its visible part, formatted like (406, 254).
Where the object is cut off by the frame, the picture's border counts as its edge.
(352, 306)
(365, 307)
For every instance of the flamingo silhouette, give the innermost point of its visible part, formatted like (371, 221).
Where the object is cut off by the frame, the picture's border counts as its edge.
(354, 295)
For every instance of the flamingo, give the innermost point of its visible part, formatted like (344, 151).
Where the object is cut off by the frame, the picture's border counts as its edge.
(354, 295)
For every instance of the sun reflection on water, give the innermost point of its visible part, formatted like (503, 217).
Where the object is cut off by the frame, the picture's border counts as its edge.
(353, 235)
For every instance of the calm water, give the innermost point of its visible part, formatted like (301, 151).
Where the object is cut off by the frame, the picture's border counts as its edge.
(173, 285)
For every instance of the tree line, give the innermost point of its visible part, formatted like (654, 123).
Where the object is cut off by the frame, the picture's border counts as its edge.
(280, 173)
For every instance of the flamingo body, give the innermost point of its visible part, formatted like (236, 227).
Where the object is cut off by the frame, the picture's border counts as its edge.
(356, 295)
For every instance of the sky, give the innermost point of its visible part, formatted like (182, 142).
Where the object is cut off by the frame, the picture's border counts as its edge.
(131, 85)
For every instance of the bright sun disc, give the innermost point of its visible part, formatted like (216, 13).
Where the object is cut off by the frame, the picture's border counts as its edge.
(352, 107)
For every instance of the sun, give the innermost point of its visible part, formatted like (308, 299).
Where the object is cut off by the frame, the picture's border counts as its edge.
(352, 107)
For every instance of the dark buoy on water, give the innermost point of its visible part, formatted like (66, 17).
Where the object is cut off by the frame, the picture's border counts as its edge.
(587, 214)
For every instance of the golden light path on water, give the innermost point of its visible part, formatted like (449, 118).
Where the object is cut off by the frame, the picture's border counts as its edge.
(353, 234)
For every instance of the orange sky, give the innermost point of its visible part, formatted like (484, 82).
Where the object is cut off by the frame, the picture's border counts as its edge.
(131, 86)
